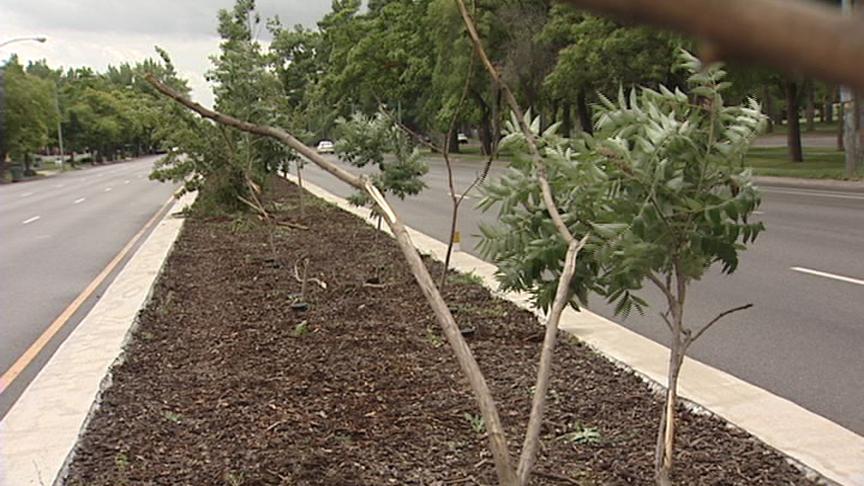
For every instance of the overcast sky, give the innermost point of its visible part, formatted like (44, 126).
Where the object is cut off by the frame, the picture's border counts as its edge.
(97, 33)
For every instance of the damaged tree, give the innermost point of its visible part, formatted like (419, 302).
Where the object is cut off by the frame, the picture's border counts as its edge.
(497, 439)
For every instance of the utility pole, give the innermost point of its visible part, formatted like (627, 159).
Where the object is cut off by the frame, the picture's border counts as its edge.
(851, 117)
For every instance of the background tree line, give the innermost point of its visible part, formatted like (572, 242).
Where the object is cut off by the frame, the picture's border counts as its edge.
(103, 115)
(412, 55)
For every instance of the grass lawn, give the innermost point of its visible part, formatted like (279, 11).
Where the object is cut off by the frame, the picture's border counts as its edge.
(820, 128)
(819, 163)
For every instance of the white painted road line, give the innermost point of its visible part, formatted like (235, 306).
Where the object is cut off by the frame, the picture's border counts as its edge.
(27, 194)
(828, 275)
(758, 213)
(107, 189)
(804, 192)
(126, 181)
(58, 186)
(30, 220)
(80, 200)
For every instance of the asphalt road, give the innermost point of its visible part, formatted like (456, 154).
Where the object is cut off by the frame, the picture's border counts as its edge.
(804, 337)
(58, 234)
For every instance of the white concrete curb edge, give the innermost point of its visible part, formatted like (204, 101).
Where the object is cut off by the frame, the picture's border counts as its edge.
(41, 429)
(805, 437)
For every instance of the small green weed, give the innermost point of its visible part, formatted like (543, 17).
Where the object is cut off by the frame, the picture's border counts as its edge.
(241, 224)
(173, 416)
(469, 278)
(434, 338)
(121, 462)
(235, 479)
(301, 329)
(582, 435)
(478, 425)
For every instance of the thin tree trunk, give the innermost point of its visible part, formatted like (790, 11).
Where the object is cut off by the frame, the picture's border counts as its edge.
(829, 106)
(544, 369)
(302, 190)
(793, 136)
(769, 109)
(811, 107)
(584, 112)
(566, 119)
(841, 130)
(664, 459)
(454, 215)
(454, 142)
(486, 133)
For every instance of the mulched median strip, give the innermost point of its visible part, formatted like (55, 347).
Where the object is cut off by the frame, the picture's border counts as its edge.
(225, 382)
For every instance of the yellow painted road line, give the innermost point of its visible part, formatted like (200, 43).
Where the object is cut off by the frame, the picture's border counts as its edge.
(33, 351)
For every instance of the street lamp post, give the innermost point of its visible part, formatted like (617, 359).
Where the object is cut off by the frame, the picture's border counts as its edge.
(21, 39)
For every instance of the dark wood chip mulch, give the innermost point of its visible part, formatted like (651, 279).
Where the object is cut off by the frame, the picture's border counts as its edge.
(224, 382)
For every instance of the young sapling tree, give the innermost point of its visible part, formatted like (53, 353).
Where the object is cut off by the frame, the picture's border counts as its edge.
(663, 187)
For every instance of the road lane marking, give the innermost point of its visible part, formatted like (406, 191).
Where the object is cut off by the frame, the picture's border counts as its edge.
(805, 192)
(126, 181)
(33, 351)
(463, 196)
(828, 275)
(30, 220)
(758, 213)
(27, 194)
(80, 200)
(58, 186)
(107, 189)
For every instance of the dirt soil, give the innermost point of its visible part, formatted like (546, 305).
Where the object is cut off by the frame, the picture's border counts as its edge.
(228, 380)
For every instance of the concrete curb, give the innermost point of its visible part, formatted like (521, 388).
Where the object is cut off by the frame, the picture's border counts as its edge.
(805, 437)
(821, 184)
(41, 429)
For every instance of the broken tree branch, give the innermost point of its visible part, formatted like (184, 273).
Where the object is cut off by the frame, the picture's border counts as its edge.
(796, 36)
(563, 294)
(467, 362)
(691, 340)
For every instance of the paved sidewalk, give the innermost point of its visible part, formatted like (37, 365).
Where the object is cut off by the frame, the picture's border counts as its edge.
(809, 439)
(42, 427)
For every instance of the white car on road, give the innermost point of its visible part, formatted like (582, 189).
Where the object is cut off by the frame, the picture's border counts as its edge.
(325, 147)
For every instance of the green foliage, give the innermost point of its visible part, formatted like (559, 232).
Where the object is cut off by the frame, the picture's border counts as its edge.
(661, 188)
(600, 54)
(229, 165)
(31, 115)
(378, 142)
